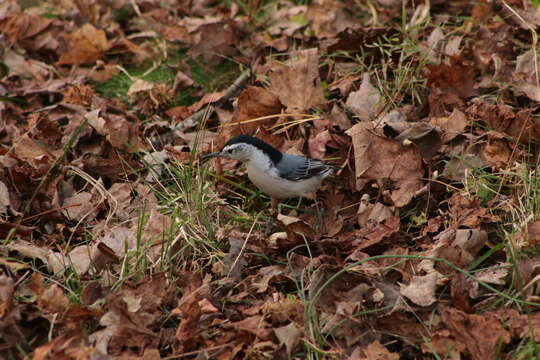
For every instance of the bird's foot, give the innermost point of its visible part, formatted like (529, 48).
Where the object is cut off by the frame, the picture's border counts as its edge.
(319, 220)
(319, 217)
(270, 225)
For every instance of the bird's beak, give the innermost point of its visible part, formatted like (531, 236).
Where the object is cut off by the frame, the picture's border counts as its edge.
(212, 155)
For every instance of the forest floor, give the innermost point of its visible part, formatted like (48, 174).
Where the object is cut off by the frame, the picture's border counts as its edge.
(117, 241)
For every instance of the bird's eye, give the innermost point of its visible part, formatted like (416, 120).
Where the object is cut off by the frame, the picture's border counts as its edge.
(230, 151)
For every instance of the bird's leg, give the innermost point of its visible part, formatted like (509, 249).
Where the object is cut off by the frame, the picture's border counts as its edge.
(273, 215)
(319, 215)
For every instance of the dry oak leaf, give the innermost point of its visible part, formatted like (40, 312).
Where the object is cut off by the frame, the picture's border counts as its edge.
(329, 18)
(256, 325)
(424, 135)
(253, 103)
(365, 103)
(421, 289)
(53, 300)
(524, 76)
(519, 124)
(493, 275)
(317, 144)
(5, 202)
(391, 164)
(452, 125)
(288, 335)
(470, 329)
(27, 149)
(18, 27)
(441, 343)
(498, 150)
(468, 212)
(213, 40)
(26, 68)
(297, 82)
(117, 129)
(375, 351)
(72, 345)
(87, 45)
(6, 291)
(80, 206)
(459, 247)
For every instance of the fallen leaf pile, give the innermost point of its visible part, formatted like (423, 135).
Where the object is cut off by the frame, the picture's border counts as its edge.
(118, 242)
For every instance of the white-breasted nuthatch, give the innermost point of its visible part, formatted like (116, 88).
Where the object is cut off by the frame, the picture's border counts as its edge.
(276, 174)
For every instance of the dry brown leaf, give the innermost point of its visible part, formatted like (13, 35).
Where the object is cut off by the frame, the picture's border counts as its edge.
(27, 149)
(421, 289)
(452, 125)
(80, 257)
(19, 27)
(433, 45)
(526, 75)
(140, 85)
(121, 193)
(365, 103)
(470, 329)
(6, 292)
(285, 23)
(468, 212)
(297, 83)
(87, 45)
(213, 40)
(317, 144)
(442, 343)
(498, 151)
(425, 136)
(117, 129)
(396, 168)
(288, 336)
(459, 247)
(337, 116)
(377, 351)
(265, 275)
(255, 325)
(233, 262)
(53, 300)
(496, 275)
(31, 69)
(519, 124)
(296, 229)
(253, 102)
(55, 262)
(329, 17)
(5, 202)
(79, 206)
(450, 83)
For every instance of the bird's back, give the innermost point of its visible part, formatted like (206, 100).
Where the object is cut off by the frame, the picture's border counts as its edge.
(296, 168)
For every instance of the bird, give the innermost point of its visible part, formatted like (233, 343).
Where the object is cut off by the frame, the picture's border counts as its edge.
(278, 175)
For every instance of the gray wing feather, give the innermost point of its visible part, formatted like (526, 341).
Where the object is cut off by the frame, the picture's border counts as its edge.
(297, 168)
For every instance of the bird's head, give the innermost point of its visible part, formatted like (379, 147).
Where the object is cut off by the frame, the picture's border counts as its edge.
(237, 151)
(246, 148)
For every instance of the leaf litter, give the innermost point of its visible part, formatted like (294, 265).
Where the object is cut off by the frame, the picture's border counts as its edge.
(117, 242)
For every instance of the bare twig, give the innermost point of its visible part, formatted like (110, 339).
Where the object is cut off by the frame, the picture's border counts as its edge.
(231, 92)
(194, 120)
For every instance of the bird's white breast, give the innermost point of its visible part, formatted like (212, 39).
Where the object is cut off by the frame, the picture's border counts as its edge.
(269, 182)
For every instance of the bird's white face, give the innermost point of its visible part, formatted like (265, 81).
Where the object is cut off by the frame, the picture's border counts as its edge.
(242, 152)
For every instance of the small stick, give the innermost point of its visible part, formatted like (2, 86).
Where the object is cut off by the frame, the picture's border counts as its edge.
(231, 91)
